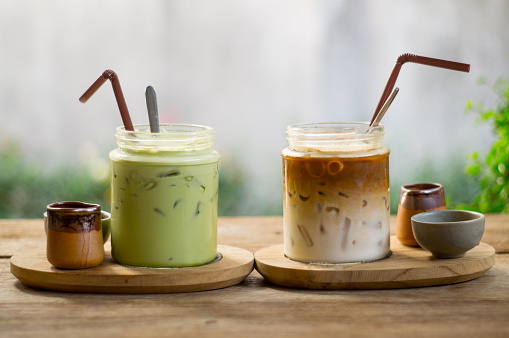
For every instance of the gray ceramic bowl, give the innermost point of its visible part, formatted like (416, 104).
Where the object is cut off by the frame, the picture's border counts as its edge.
(448, 233)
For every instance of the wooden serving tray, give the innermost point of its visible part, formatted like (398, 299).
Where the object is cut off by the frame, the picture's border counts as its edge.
(33, 269)
(407, 267)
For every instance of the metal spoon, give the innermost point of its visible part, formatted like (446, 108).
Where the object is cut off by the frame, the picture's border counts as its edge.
(153, 115)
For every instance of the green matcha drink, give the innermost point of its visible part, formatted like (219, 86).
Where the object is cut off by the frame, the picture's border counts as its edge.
(164, 196)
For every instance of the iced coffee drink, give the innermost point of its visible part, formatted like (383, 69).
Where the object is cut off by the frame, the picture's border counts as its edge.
(164, 198)
(336, 194)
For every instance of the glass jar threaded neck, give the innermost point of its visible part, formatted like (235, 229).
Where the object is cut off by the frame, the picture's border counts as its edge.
(334, 136)
(172, 137)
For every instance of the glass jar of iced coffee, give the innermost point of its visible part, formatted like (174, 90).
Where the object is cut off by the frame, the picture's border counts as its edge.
(336, 193)
(164, 196)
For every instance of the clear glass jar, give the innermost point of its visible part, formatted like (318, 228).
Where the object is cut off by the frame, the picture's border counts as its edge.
(336, 193)
(164, 196)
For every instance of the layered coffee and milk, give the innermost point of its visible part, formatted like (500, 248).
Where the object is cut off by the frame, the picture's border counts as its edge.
(336, 203)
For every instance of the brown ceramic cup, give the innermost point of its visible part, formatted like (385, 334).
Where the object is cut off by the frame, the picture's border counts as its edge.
(414, 199)
(105, 222)
(74, 239)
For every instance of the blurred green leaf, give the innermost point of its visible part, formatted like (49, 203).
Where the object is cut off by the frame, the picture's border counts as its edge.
(473, 156)
(473, 170)
(491, 173)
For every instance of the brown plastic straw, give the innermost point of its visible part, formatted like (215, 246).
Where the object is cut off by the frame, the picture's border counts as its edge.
(119, 96)
(404, 58)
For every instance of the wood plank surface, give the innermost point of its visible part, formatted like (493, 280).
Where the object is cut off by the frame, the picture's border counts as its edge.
(256, 307)
(406, 267)
(478, 308)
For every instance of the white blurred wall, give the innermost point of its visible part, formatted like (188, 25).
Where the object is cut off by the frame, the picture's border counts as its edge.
(248, 69)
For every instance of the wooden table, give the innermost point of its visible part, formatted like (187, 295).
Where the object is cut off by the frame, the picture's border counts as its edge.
(478, 308)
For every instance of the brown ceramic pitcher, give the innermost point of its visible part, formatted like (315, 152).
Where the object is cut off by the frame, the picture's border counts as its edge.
(414, 199)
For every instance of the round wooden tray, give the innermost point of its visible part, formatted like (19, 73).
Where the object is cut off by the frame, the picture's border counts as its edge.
(33, 269)
(407, 267)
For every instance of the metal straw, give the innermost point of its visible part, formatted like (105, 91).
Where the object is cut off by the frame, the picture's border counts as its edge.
(386, 106)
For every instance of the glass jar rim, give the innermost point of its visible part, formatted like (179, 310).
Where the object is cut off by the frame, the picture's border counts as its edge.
(172, 137)
(334, 136)
(340, 128)
(168, 130)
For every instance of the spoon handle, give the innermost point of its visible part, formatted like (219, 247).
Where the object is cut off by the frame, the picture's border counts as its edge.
(153, 115)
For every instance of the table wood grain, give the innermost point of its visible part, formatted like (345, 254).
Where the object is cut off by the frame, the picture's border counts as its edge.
(255, 307)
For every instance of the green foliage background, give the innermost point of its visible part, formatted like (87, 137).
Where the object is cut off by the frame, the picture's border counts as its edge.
(26, 188)
(492, 171)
